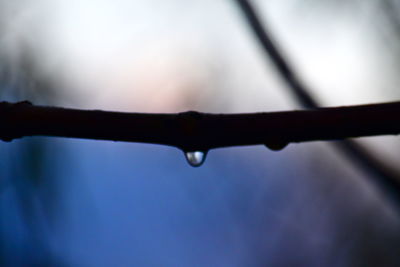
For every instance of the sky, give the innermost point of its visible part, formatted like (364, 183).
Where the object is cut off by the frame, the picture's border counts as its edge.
(116, 54)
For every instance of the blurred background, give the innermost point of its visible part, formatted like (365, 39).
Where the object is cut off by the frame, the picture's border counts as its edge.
(71, 202)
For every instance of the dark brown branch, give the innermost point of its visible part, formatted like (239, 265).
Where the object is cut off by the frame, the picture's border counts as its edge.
(192, 130)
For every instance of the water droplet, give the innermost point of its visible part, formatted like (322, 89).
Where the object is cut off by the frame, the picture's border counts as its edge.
(195, 158)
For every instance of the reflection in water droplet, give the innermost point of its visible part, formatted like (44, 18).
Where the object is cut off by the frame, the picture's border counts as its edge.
(195, 158)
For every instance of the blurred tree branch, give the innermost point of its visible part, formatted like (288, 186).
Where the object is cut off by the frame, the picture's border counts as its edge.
(386, 176)
(192, 130)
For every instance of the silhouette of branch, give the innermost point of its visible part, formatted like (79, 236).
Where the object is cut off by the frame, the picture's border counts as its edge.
(358, 154)
(272, 51)
(191, 131)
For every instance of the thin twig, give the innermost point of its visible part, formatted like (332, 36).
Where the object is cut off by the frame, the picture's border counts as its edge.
(358, 154)
(200, 131)
(272, 51)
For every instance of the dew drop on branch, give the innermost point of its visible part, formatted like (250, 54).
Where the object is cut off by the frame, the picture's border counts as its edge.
(195, 158)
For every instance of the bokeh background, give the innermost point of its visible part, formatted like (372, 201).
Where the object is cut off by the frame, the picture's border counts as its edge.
(71, 202)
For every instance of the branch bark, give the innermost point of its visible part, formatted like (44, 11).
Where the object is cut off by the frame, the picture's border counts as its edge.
(192, 131)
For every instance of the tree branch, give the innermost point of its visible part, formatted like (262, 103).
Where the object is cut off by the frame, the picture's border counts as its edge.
(192, 131)
(272, 51)
(386, 176)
